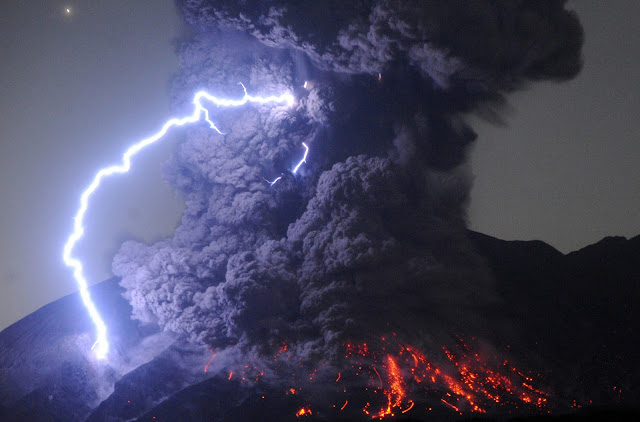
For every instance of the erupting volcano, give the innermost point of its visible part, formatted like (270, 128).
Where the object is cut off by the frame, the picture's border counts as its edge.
(387, 379)
(323, 268)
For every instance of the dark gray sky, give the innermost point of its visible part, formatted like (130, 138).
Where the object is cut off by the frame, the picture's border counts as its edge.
(566, 169)
(77, 88)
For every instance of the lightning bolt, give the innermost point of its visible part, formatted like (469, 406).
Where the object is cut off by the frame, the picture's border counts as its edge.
(101, 345)
(295, 169)
(274, 181)
(304, 158)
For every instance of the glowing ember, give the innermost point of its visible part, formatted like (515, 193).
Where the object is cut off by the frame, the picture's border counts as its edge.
(386, 379)
(396, 391)
(304, 411)
(464, 382)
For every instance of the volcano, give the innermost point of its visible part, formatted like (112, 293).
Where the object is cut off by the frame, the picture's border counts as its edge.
(345, 286)
(570, 317)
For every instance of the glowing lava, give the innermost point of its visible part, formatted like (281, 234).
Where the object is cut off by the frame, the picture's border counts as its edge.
(304, 411)
(386, 378)
(101, 345)
(463, 382)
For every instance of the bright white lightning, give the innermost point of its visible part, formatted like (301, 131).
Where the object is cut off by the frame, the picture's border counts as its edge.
(101, 346)
(304, 158)
(271, 183)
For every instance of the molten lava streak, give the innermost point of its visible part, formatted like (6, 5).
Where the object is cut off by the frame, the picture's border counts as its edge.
(463, 382)
(387, 378)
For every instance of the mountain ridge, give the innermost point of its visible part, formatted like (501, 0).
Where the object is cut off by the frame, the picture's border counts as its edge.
(561, 303)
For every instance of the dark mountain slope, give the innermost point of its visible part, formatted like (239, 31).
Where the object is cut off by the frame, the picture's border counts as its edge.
(150, 383)
(46, 369)
(577, 311)
(573, 314)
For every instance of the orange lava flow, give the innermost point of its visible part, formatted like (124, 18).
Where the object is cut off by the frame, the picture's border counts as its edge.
(396, 392)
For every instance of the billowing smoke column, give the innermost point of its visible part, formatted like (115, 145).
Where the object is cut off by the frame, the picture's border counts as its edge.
(368, 238)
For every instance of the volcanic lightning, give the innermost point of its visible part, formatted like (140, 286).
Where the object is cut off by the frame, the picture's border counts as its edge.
(304, 158)
(101, 345)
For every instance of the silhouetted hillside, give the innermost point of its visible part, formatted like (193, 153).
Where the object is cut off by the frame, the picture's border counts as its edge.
(578, 311)
(574, 313)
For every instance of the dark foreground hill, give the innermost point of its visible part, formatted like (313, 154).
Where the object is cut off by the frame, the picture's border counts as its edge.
(577, 313)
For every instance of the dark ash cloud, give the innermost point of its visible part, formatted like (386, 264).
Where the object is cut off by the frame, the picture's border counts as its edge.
(485, 45)
(368, 238)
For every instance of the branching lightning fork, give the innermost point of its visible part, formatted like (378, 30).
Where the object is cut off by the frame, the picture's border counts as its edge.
(295, 169)
(101, 345)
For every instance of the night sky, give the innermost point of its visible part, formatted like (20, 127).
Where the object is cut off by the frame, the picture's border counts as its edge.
(78, 86)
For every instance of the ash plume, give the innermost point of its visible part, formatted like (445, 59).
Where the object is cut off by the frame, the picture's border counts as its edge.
(368, 237)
